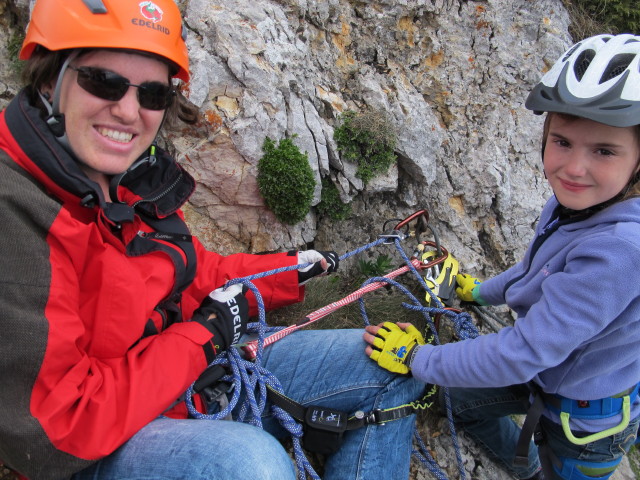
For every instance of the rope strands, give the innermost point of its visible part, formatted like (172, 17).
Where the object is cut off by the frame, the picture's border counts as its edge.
(249, 380)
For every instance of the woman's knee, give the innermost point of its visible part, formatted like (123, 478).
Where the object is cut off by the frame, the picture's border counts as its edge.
(250, 452)
(196, 449)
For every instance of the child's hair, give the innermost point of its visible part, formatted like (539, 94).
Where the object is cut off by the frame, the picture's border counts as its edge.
(633, 187)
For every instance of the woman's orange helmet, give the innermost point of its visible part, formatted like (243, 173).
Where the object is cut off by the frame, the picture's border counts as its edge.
(149, 26)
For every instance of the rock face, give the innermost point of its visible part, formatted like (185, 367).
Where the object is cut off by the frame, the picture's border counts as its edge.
(451, 74)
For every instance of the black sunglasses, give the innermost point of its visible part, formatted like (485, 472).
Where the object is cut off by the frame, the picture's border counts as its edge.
(111, 86)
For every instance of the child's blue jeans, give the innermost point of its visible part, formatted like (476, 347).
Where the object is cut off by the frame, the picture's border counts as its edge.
(322, 367)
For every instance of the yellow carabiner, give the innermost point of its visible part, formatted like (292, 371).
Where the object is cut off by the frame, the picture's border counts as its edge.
(626, 417)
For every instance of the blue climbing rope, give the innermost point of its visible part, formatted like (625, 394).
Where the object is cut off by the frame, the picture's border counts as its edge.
(464, 328)
(250, 379)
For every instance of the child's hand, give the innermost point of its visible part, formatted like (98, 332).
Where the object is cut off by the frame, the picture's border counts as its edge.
(468, 289)
(391, 345)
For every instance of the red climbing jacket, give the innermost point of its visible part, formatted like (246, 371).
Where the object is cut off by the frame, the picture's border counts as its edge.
(93, 342)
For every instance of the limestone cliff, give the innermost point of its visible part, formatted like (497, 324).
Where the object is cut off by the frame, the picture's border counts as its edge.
(452, 75)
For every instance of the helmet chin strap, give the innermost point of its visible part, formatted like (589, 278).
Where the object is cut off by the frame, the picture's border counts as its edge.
(55, 119)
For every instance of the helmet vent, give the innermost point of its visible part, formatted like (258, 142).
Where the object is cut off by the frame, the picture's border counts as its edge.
(582, 63)
(570, 52)
(617, 66)
(96, 6)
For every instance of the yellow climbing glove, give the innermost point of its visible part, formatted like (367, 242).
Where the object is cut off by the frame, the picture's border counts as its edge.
(392, 347)
(469, 289)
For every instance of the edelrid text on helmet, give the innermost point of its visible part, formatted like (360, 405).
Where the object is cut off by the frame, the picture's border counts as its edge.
(149, 26)
(597, 78)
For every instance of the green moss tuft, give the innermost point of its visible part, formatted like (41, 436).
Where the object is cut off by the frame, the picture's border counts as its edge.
(367, 139)
(286, 180)
(330, 203)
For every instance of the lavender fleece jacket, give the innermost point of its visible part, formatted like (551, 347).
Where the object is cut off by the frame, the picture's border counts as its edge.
(577, 302)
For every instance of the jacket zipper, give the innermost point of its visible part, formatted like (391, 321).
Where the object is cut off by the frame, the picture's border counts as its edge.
(162, 194)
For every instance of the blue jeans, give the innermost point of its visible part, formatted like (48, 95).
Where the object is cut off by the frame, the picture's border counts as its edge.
(484, 415)
(320, 367)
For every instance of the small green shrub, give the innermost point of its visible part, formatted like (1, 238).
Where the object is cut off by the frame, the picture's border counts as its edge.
(368, 139)
(367, 269)
(285, 180)
(330, 203)
(13, 49)
(377, 268)
(591, 17)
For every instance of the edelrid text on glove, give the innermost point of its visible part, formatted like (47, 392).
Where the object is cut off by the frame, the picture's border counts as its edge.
(393, 347)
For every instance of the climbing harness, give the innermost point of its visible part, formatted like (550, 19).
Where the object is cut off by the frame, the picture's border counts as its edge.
(318, 428)
(324, 427)
(573, 469)
(566, 408)
(603, 408)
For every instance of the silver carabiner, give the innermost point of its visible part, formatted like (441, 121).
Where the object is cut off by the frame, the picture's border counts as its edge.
(392, 235)
(432, 274)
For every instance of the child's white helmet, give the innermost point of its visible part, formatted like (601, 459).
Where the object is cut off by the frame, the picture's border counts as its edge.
(598, 78)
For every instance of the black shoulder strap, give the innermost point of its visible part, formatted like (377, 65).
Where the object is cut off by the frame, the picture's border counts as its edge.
(171, 230)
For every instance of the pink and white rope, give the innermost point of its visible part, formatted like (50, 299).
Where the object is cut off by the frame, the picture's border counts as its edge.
(251, 348)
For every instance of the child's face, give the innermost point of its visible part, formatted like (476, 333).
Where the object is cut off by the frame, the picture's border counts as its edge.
(587, 162)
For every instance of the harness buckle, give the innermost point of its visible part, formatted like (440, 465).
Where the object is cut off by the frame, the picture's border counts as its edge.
(217, 394)
(374, 417)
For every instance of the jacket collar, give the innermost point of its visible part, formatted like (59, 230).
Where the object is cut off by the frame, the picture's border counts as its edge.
(155, 185)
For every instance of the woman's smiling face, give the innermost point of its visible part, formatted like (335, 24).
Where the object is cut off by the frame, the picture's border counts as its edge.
(586, 162)
(108, 136)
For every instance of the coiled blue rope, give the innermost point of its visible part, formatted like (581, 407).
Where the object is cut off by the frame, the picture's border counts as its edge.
(251, 377)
